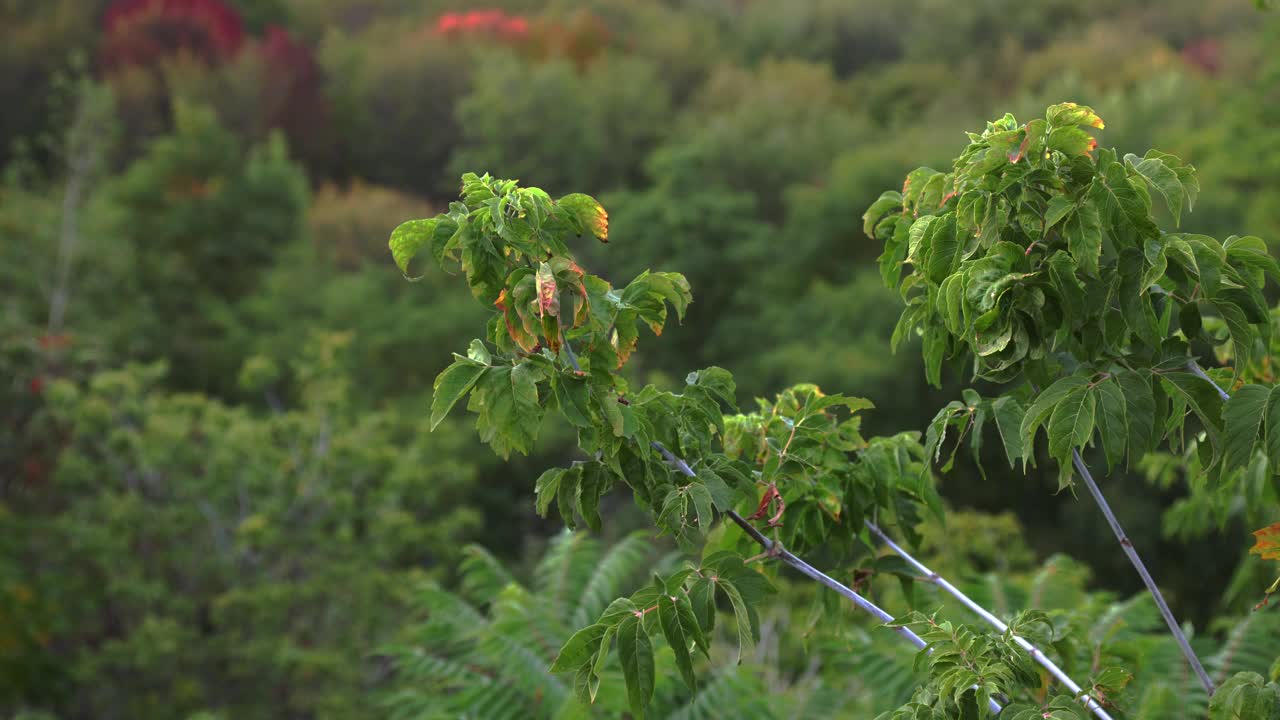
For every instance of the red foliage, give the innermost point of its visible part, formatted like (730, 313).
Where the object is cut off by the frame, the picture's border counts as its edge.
(1204, 54)
(36, 385)
(580, 39)
(140, 32)
(495, 23)
(292, 94)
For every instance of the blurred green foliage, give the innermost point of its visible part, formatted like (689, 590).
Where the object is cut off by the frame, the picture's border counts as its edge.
(217, 494)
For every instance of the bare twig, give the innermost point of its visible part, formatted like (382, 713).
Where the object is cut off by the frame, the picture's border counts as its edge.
(992, 620)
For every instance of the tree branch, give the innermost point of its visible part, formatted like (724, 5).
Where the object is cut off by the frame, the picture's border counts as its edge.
(774, 549)
(1127, 546)
(1195, 368)
(1132, 554)
(992, 620)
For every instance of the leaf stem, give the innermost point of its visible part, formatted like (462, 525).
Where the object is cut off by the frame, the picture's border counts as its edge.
(1127, 545)
(776, 549)
(992, 620)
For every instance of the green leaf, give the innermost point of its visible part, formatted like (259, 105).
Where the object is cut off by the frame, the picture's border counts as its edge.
(934, 348)
(717, 381)
(602, 654)
(584, 215)
(1163, 179)
(1084, 238)
(1059, 207)
(1062, 269)
(1140, 414)
(407, 239)
(1244, 425)
(702, 504)
(743, 617)
(703, 602)
(1246, 696)
(888, 201)
(1113, 421)
(689, 621)
(568, 488)
(1156, 263)
(1043, 406)
(1252, 252)
(596, 481)
(1122, 202)
(946, 249)
(505, 400)
(574, 396)
(450, 385)
(1273, 426)
(1070, 141)
(546, 488)
(1072, 114)
(1240, 331)
(636, 652)
(1009, 414)
(677, 638)
(1189, 321)
(586, 683)
(1202, 399)
(1071, 424)
(579, 649)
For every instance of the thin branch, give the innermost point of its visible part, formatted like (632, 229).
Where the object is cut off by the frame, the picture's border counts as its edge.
(1127, 545)
(1195, 368)
(774, 549)
(992, 620)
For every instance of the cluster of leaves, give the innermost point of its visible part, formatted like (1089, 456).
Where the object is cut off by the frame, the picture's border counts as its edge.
(1045, 265)
(683, 607)
(511, 243)
(817, 469)
(969, 668)
(1039, 257)
(1246, 695)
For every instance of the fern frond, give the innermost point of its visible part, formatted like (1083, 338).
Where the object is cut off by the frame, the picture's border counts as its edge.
(733, 692)
(451, 621)
(483, 577)
(1159, 701)
(1124, 621)
(620, 564)
(1252, 645)
(565, 570)
(523, 646)
(438, 672)
(1059, 584)
(504, 703)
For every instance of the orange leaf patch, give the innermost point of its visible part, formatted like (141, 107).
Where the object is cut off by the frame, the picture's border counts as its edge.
(1268, 542)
